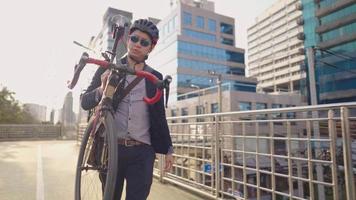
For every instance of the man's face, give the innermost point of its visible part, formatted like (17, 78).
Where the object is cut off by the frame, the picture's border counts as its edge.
(139, 44)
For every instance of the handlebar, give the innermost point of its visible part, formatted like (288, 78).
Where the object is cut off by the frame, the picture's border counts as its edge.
(160, 84)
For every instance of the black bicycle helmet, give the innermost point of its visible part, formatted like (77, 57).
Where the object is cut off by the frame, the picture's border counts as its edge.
(148, 27)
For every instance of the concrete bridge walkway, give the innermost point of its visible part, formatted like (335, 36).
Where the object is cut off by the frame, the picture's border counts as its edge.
(45, 170)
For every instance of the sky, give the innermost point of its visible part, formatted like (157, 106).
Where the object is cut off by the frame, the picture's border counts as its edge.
(36, 40)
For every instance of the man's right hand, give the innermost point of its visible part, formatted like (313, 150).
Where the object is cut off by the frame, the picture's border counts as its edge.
(104, 79)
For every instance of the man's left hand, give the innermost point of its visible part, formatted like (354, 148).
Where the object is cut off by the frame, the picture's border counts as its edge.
(168, 162)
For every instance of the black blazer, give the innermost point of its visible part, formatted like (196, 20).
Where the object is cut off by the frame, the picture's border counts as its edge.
(160, 136)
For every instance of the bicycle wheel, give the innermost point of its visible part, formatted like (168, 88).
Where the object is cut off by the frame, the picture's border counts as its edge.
(87, 182)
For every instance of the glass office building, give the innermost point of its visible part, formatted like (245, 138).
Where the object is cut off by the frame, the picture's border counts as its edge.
(195, 42)
(330, 26)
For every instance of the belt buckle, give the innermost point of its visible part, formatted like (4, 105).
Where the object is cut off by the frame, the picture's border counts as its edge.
(127, 144)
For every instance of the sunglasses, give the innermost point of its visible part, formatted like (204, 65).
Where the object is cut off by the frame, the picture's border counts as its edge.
(143, 42)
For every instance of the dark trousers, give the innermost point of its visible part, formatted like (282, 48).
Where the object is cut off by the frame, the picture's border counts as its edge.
(135, 165)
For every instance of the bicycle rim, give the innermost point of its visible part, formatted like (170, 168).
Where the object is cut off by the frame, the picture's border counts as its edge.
(87, 184)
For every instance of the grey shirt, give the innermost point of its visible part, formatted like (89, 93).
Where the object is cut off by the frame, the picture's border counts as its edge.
(132, 116)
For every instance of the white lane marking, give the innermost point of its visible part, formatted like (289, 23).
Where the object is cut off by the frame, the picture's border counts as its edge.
(40, 185)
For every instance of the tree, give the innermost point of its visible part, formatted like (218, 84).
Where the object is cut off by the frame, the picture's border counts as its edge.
(10, 110)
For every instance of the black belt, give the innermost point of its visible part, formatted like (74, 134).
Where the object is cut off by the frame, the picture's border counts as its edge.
(129, 142)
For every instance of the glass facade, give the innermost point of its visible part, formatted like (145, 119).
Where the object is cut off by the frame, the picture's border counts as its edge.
(327, 3)
(310, 22)
(212, 25)
(339, 32)
(202, 52)
(199, 35)
(185, 80)
(200, 65)
(210, 52)
(200, 22)
(335, 65)
(338, 14)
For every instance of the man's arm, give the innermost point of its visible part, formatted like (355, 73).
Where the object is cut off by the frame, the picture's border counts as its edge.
(169, 156)
(91, 97)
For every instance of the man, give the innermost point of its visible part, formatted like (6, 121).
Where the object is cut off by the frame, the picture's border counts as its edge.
(142, 129)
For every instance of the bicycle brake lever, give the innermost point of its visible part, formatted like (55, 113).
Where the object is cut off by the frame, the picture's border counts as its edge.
(166, 81)
(78, 69)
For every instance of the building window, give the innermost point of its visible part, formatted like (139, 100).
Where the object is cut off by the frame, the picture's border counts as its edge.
(291, 115)
(227, 41)
(199, 111)
(200, 22)
(226, 28)
(261, 106)
(244, 106)
(212, 25)
(198, 50)
(174, 114)
(277, 115)
(187, 18)
(200, 65)
(246, 87)
(214, 108)
(184, 112)
(199, 35)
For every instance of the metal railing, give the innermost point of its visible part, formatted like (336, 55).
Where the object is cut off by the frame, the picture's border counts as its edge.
(304, 152)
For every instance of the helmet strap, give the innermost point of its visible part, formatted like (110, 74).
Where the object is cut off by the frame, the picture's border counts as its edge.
(137, 62)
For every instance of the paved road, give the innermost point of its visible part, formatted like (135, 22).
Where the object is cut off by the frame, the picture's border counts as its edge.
(45, 170)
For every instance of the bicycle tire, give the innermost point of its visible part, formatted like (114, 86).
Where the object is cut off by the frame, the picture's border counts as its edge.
(93, 188)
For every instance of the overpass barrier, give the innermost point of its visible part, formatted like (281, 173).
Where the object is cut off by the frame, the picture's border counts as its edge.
(300, 153)
(29, 131)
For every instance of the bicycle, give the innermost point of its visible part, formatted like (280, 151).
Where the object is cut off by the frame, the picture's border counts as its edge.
(96, 172)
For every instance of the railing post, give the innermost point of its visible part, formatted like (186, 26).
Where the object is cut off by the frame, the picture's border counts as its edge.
(332, 135)
(310, 163)
(319, 168)
(160, 167)
(217, 156)
(273, 165)
(346, 140)
(244, 174)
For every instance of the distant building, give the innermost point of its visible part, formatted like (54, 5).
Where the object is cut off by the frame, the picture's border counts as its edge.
(37, 111)
(51, 118)
(330, 26)
(67, 114)
(82, 115)
(104, 41)
(274, 55)
(196, 42)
